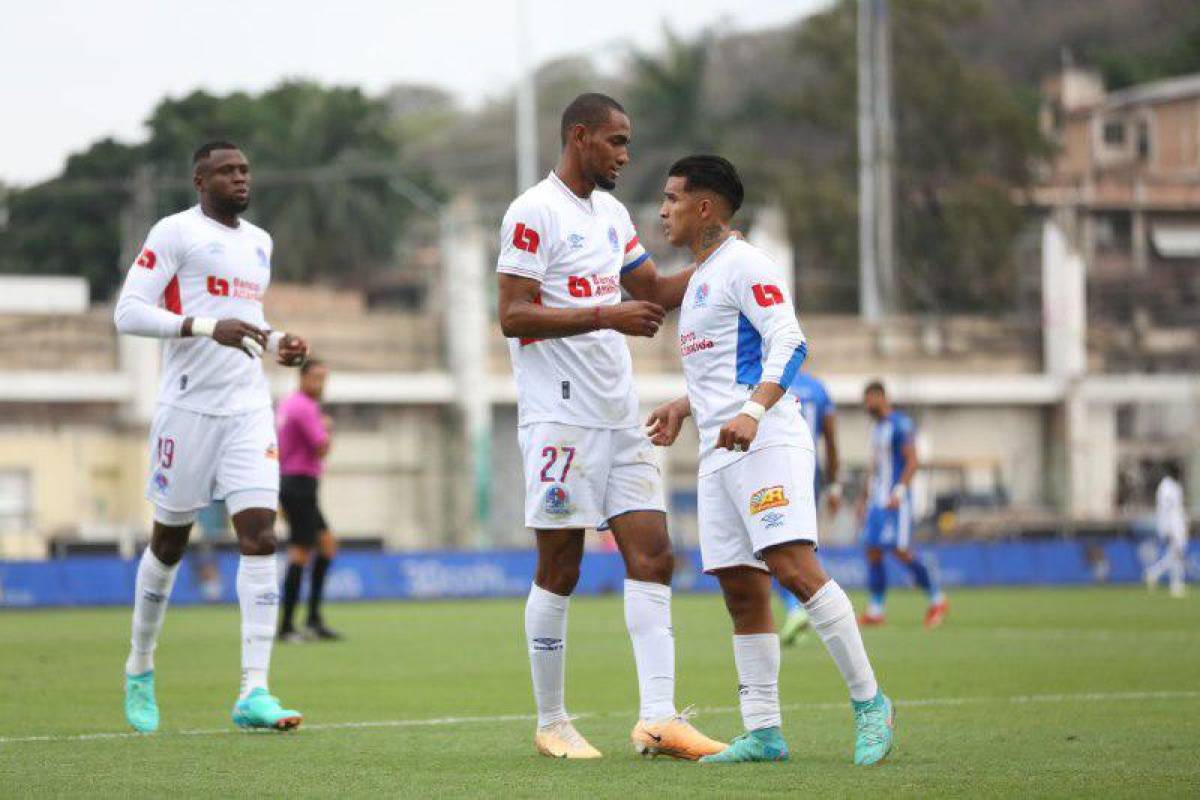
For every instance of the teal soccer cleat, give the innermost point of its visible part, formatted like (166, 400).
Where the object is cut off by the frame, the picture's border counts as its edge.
(141, 710)
(261, 710)
(764, 744)
(873, 723)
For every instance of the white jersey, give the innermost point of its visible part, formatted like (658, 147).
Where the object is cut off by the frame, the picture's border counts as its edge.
(737, 328)
(193, 266)
(1170, 516)
(577, 249)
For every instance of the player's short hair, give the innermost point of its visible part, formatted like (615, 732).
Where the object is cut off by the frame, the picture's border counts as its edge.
(309, 363)
(589, 109)
(875, 386)
(205, 150)
(1172, 470)
(713, 173)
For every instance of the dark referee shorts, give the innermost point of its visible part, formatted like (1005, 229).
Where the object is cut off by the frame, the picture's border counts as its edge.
(298, 497)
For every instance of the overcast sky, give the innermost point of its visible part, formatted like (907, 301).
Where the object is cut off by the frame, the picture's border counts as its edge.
(77, 71)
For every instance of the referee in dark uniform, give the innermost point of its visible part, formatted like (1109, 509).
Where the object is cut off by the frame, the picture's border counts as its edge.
(304, 439)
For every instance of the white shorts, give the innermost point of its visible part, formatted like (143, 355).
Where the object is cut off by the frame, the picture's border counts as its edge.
(763, 499)
(197, 458)
(582, 477)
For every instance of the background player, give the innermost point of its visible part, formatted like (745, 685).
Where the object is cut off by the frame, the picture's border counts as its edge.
(198, 283)
(566, 252)
(304, 439)
(1171, 523)
(742, 347)
(886, 508)
(816, 406)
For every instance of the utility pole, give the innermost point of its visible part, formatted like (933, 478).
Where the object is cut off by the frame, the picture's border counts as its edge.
(527, 146)
(876, 146)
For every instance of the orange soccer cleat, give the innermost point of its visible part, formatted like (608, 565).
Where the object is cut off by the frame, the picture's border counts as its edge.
(675, 737)
(561, 740)
(936, 614)
(869, 620)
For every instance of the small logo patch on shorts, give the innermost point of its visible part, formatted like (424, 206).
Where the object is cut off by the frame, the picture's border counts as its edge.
(160, 481)
(556, 501)
(773, 520)
(770, 497)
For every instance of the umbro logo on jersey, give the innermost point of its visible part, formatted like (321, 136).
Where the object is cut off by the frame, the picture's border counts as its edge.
(575, 241)
(147, 259)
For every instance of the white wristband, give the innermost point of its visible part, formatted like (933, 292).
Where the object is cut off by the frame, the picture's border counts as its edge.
(753, 410)
(203, 326)
(898, 492)
(273, 340)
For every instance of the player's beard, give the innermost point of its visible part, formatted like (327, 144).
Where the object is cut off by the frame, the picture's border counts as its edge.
(231, 206)
(605, 183)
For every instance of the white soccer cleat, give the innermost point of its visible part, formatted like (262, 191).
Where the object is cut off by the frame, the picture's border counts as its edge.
(561, 740)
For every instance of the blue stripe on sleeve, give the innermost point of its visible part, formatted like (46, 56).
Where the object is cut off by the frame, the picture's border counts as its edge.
(793, 365)
(749, 353)
(634, 264)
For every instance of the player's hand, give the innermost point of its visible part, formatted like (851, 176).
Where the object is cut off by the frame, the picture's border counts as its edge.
(237, 334)
(293, 350)
(634, 317)
(738, 433)
(665, 422)
(893, 503)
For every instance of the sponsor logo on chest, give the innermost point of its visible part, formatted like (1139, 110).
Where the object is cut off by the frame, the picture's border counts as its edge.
(692, 343)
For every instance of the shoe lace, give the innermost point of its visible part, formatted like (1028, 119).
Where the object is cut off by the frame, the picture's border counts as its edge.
(685, 716)
(573, 737)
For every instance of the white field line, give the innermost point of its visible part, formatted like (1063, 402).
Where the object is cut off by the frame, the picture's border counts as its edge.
(484, 720)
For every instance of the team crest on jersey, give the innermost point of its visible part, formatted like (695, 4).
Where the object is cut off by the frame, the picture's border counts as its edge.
(701, 296)
(770, 497)
(557, 501)
(575, 241)
(160, 481)
(262, 257)
(612, 239)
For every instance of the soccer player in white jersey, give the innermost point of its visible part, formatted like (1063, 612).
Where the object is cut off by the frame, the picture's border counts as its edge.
(198, 284)
(742, 348)
(567, 250)
(1171, 522)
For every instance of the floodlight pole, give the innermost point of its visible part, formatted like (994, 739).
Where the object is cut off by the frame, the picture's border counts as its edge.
(526, 103)
(876, 271)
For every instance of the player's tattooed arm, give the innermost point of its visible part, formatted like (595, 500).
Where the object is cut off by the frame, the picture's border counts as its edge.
(664, 423)
(523, 316)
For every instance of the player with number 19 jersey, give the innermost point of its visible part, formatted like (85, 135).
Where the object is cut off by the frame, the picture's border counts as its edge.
(576, 405)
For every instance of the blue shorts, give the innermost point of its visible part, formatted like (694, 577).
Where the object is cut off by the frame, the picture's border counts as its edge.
(888, 528)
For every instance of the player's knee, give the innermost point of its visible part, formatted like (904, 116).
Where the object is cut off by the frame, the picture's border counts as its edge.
(559, 579)
(651, 567)
(167, 544)
(298, 555)
(874, 555)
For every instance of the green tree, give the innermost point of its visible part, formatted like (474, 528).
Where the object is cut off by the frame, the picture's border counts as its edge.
(327, 163)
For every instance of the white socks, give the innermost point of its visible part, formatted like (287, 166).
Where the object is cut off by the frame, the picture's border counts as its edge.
(832, 616)
(757, 659)
(648, 618)
(258, 595)
(546, 637)
(151, 592)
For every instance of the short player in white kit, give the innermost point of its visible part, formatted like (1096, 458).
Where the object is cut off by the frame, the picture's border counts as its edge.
(742, 348)
(566, 252)
(198, 284)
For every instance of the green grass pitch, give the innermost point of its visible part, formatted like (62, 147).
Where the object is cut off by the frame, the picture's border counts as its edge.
(1069, 692)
